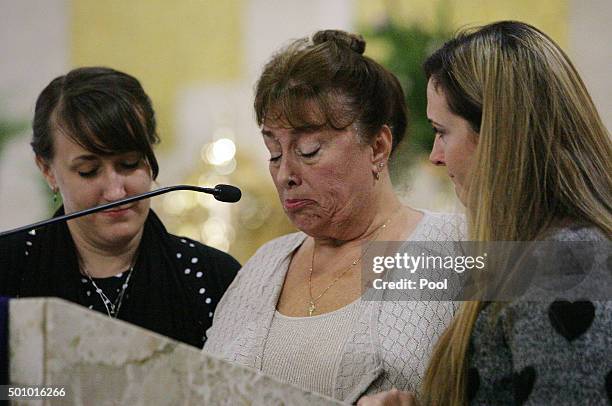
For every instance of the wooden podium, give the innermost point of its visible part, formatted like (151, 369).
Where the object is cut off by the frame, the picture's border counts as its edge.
(100, 361)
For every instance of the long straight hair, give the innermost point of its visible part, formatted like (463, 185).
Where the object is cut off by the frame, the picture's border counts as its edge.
(543, 157)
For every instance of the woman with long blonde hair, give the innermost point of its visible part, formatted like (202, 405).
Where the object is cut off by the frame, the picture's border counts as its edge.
(531, 160)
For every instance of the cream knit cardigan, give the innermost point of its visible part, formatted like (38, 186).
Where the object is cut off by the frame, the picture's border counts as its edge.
(390, 342)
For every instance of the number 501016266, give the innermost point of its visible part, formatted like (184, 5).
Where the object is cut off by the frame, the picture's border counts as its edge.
(9, 392)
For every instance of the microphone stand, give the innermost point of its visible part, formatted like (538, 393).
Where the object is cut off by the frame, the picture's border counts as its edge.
(224, 193)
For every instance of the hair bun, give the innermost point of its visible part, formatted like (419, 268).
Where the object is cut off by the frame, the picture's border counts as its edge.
(354, 41)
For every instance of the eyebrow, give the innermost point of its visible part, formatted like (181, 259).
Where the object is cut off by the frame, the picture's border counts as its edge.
(296, 131)
(308, 129)
(434, 122)
(85, 157)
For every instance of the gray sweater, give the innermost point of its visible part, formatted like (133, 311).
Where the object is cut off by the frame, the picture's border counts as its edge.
(389, 344)
(547, 352)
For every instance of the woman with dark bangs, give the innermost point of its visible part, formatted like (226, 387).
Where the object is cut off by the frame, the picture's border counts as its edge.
(93, 136)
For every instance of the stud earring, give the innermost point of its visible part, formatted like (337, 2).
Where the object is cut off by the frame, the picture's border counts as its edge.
(377, 173)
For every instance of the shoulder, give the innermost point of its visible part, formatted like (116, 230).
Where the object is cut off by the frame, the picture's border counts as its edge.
(576, 232)
(572, 262)
(202, 265)
(193, 251)
(277, 249)
(16, 254)
(268, 259)
(19, 240)
(440, 227)
(266, 266)
(285, 243)
(17, 247)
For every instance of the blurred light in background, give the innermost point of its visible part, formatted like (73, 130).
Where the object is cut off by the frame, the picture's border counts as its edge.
(219, 152)
(223, 150)
(176, 203)
(198, 60)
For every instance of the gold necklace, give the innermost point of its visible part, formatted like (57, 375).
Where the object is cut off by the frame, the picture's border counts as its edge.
(312, 304)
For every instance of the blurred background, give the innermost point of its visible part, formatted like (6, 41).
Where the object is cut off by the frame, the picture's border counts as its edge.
(199, 59)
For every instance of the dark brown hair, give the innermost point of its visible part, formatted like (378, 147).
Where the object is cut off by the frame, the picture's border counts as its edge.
(438, 68)
(102, 110)
(327, 81)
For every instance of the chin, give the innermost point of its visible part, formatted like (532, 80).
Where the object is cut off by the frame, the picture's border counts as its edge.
(307, 224)
(120, 233)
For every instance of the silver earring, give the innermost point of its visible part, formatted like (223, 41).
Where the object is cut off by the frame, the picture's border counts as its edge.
(54, 190)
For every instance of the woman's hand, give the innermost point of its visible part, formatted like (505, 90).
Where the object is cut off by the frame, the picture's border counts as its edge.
(393, 397)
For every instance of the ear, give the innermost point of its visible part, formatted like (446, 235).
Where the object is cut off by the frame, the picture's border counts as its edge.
(45, 169)
(381, 148)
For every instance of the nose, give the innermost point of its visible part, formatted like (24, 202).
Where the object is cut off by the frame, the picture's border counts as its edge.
(288, 172)
(436, 156)
(114, 186)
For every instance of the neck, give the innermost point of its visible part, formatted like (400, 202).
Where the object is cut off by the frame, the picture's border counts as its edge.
(367, 223)
(105, 261)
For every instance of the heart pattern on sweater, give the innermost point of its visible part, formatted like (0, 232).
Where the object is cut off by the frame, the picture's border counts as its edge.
(523, 384)
(571, 319)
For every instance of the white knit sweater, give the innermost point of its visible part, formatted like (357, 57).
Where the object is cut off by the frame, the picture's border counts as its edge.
(389, 344)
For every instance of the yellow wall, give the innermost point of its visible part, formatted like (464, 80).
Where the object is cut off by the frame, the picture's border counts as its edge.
(166, 44)
(551, 16)
(170, 45)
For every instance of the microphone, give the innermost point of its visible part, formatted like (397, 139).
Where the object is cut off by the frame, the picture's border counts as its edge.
(223, 193)
(227, 193)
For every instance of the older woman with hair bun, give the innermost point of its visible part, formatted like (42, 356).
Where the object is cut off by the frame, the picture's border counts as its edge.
(330, 118)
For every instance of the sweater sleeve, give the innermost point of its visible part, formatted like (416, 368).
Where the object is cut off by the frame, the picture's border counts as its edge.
(560, 346)
(247, 298)
(552, 344)
(229, 317)
(560, 351)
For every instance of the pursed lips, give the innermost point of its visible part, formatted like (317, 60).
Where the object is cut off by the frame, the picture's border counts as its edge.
(292, 204)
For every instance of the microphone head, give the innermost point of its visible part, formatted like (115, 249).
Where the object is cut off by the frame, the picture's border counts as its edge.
(227, 193)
